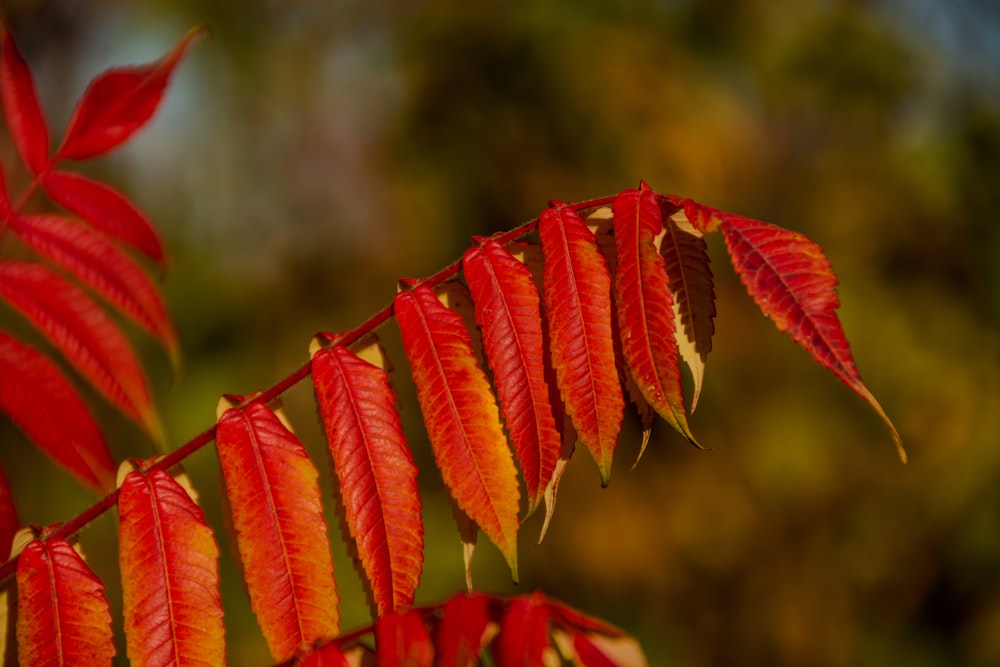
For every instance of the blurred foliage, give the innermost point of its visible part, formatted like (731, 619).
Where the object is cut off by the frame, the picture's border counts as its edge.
(309, 154)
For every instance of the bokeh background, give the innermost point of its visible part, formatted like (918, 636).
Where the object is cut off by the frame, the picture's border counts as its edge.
(309, 154)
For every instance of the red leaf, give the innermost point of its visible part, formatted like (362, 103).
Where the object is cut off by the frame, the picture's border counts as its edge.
(645, 306)
(274, 498)
(524, 632)
(170, 577)
(21, 108)
(9, 523)
(92, 258)
(326, 655)
(105, 209)
(577, 292)
(460, 634)
(378, 479)
(588, 654)
(84, 334)
(508, 311)
(62, 613)
(793, 283)
(117, 103)
(36, 396)
(402, 640)
(461, 416)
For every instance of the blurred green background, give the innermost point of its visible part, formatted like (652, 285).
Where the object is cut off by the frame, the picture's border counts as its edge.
(310, 153)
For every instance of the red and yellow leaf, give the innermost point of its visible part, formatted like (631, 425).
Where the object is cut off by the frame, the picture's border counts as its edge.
(117, 103)
(378, 479)
(84, 334)
(325, 655)
(43, 404)
(98, 263)
(274, 498)
(577, 293)
(461, 633)
(461, 416)
(792, 282)
(524, 632)
(170, 578)
(21, 108)
(62, 613)
(508, 310)
(402, 640)
(105, 209)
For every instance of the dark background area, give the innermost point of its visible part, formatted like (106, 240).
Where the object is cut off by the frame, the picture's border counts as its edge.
(309, 154)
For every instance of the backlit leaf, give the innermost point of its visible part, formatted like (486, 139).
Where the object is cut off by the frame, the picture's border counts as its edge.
(793, 283)
(461, 632)
(577, 293)
(62, 613)
(402, 640)
(378, 479)
(38, 398)
(274, 498)
(508, 311)
(9, 522)
(170, 578)
(117, 103)
(326, 655)
(461, 416)
(524, 633)
(21, 107)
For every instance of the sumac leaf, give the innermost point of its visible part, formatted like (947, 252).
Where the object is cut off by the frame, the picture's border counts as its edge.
(327, 654)
(461, 416)
(38, 398)
(21, 108)
(793, 283)
(170, 578)
(577, 293)
(62, 612)
(378, 479)
(460, 634)
(402, 640)
(117, 103)
(508, 311)
(9, 523)
(524, 632)
(274, 497)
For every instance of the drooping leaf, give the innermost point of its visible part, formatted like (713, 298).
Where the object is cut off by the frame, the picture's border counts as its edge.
(21, 108)
(402, 640)
(524, 632)
(508, 311)
(577, 294)
(461, 416)
(327, 654)
(84, 334)
(117, 103)
(461, 633)
(62, 613)
(378, 479)
(274, 498)
(645, 306)
(793, 283)
(105, 209)
(686, 262)
(170, 578)
(58, 423)
(98, 263)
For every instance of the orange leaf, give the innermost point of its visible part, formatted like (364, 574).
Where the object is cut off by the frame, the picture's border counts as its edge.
(508, 310)
(402, 640)
(461, 415)
(21, 108)
(793, 283)
(378, 479)
(274, 498)
(62, 613)
(577, 292)
(60, 424)
(645, 306)
(170, 578)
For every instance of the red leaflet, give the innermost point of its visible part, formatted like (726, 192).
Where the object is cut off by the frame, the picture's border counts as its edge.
(117, 103)
(577, 291)
(84, 334)
(170, 577)
(274, 498)
(461, 416)
(9, 522)
(508, 311)
(792, 281)
(645, 306)
(105, 209)
(59, 424)
(327, 655)
(378, 479)
(402, 640)
(460, 634)
(62, 613)
(21, 108)
(524, 632)
(97, 262)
